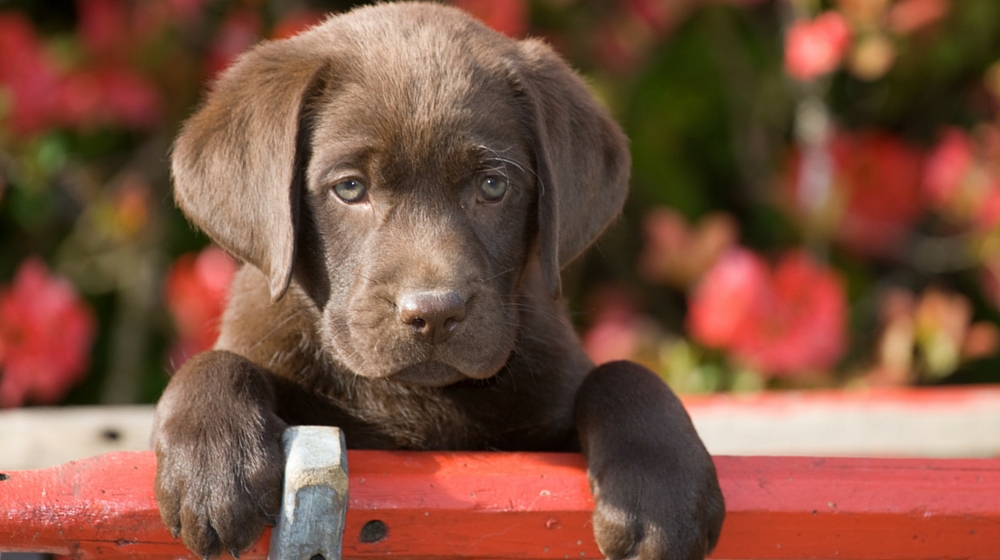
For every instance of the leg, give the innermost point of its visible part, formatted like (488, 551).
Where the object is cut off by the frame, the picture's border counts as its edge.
(655, 488)
(218, 452)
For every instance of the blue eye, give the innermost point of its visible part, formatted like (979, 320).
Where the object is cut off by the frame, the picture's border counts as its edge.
(350, 191)
(493, 188)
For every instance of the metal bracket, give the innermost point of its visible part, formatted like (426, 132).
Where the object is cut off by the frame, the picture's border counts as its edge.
(314, 501)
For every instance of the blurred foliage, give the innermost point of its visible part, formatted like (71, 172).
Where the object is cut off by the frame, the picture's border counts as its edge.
(750, 187)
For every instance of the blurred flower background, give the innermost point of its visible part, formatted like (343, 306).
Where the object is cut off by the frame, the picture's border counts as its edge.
(815, 194)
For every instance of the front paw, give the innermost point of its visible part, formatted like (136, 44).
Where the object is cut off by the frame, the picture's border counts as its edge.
(655, 489)
(656, 509)
(219, 461)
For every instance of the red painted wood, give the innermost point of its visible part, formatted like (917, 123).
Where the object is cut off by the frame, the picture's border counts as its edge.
(538, 506)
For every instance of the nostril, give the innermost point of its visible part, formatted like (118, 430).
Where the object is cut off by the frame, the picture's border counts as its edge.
(432, 315)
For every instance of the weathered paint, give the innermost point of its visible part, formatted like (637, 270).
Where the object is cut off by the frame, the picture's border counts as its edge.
(530, 505)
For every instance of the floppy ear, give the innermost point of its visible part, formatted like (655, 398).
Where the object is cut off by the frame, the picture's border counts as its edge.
(581, 158)
(238, 162)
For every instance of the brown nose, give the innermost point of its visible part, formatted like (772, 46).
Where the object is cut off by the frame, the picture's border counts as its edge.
(431, 315)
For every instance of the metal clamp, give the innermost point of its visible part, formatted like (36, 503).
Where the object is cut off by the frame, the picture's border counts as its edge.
(314, 501)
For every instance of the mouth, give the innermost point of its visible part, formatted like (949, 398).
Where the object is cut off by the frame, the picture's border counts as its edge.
(371, 342)
(428, 374)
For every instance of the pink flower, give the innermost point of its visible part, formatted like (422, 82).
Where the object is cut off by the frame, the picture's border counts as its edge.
(28, 75)
(787, 322)
(611, 339)
(678, 254)
(45, 337)
(509, 17)
(196, 290)
(907, 16)
(615, 331)
(948, 165)
(105, 27)
(814, 48)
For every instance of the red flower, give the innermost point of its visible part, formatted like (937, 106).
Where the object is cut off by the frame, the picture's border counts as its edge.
(129, 98)
(509, 17)
(45, 337)
(196, 291)
(110, 96)
(948, 165)
(787, 322)
(726, 296)
(28, 75)
(43, 96)
(112, 29)
(875, 191)
(881, 179)
(105, 27)
(814, 48)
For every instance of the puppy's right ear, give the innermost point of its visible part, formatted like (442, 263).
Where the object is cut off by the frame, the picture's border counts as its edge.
(238, 163)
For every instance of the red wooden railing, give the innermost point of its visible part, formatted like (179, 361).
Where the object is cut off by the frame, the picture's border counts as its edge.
(526, 505)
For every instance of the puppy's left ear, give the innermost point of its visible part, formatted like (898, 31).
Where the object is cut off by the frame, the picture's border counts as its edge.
(581, 158)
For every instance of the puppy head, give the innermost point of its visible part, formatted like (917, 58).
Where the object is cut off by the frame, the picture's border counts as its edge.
(406, 166)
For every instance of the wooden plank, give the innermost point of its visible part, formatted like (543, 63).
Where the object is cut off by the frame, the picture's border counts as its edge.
(39, 437)
(912, 422)
(529, 505)
(884, 422)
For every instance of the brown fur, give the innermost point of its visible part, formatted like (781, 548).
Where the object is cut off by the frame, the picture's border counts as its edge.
(423, 316)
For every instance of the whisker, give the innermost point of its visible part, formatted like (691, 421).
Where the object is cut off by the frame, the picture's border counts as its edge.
(502, 272)
(275, 328)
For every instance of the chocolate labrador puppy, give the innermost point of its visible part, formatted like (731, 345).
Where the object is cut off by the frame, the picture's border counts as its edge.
(404, 185)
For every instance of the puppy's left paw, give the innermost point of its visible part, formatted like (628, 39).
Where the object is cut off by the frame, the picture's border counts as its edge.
(656, 507)
(655, 488)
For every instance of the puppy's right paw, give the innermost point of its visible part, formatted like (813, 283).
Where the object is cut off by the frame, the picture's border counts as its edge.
(218, 491)
(219, 458)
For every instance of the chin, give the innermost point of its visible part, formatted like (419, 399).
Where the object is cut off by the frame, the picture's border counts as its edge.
(433, 374)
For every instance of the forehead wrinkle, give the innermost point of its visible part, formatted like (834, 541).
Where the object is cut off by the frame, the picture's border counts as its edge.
(423, 105)
(425, 77)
